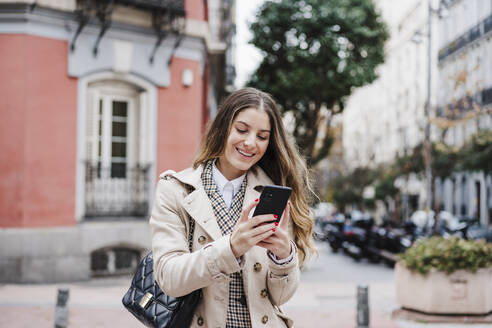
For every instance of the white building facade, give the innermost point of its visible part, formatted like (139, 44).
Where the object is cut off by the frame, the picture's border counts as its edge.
(465, 97)
(387, 118)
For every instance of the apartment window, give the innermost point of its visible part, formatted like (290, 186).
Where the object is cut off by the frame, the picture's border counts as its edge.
(117, 176)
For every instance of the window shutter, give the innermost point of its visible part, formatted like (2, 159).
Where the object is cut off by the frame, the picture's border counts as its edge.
(143, 129)
(92, 127)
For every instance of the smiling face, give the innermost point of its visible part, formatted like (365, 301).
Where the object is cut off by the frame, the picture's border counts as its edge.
(247, 142)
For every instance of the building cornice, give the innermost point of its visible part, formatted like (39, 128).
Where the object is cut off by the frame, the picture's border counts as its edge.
(24, 12)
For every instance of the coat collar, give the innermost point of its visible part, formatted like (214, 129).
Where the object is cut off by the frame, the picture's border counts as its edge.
(198, 205)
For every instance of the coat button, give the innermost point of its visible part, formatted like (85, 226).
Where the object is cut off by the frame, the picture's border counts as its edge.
(257, 267)
(200, 321)
(264, 293)
(264, 319)
(201, 239)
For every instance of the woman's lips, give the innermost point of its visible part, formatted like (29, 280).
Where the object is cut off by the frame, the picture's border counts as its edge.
(244, 153)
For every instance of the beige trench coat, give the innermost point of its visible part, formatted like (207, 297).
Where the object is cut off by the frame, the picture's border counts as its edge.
(267, 285)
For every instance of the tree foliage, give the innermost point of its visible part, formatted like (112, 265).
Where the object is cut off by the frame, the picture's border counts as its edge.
(444, 161)
(315, 53)
(348, 189)
(476, 154)
(385, 186)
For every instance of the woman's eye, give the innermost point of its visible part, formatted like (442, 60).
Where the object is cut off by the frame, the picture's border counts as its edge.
(262, 138)
(241, 130)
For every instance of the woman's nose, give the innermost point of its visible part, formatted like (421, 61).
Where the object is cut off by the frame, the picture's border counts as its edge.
(250, 139)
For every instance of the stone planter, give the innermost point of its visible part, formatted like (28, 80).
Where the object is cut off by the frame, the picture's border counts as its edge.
(460, 292)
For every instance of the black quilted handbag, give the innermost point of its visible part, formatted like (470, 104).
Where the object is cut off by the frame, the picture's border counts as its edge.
(149, 304)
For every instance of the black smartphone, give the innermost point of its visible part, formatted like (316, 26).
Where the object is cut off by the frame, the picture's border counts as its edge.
(273, 200)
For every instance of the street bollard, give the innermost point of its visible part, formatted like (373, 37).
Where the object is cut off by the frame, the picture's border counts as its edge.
(362, 306)
(61, 309)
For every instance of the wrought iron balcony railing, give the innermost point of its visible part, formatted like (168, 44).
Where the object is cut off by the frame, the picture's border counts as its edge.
(464, 40)
(124, 196)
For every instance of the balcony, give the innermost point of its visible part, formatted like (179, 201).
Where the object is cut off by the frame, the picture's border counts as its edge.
(108, 194)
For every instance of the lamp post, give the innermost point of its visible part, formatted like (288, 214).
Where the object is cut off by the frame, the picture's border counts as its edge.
(427, 143)
(427, 150)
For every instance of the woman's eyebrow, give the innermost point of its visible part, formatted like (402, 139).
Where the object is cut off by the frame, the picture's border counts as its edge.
(250, 126)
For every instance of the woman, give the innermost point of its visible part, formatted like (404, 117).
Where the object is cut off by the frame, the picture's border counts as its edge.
(246, 266)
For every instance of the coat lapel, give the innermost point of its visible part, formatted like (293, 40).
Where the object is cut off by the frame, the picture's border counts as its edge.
(198, 206)
(197, 203)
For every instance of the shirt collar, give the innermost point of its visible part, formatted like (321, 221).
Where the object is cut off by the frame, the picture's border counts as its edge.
(221, 180)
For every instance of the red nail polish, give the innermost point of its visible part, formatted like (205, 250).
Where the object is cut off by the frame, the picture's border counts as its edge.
(256, 199)
(273, 229)
(275, 216)
(276, 223)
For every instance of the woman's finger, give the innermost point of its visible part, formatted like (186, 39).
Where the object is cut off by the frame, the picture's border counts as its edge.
(261, 229)
(284, 221)
(261, 219)
(248, 209)
(262, 236)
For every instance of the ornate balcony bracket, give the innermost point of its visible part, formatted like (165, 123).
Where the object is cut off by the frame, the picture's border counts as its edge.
(166, 20)
(104, 10)
(82, 12)
(168, 17)
(179, 38)
(159, 20)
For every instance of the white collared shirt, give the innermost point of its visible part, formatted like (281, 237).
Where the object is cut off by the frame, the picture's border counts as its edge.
(228, 189)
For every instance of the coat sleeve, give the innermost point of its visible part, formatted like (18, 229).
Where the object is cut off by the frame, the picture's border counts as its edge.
(283, 279)
(177, 271)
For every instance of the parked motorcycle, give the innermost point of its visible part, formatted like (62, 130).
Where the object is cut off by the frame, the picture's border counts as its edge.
(333, 232)
(357, 237)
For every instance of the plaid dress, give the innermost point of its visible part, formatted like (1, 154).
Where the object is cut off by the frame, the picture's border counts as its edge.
(237, 309)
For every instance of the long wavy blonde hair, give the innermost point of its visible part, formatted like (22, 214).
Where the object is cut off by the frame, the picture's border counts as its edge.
(281, 161)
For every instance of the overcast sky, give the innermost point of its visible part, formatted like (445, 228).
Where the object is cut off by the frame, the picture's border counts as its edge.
(247, 57)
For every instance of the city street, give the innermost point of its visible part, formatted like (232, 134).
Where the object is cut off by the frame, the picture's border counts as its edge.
(376, 114)
(325, 298)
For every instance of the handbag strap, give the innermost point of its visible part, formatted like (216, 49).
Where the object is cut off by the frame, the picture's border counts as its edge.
(189, 189)
(192, 230)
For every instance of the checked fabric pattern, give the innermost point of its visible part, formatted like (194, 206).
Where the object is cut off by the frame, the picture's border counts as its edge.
(237, 309)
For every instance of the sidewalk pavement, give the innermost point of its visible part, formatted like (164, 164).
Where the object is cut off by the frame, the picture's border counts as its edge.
(97, 303)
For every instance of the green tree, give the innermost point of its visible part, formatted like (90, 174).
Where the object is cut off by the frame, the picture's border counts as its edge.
(444, 160)
(348, 189)
(315, 53)
(476, 154)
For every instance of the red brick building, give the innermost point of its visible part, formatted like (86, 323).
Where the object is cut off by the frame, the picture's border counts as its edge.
(98, 98)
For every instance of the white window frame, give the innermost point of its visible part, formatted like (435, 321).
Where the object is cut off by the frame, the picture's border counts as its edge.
(147, 130)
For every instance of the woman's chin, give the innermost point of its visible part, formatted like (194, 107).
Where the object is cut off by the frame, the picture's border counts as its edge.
(242, 165)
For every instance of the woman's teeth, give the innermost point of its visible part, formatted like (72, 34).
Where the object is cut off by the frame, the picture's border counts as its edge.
(244, 154)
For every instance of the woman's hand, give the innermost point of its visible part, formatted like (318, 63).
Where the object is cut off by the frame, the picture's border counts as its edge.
(248, 232)
(279, 242)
